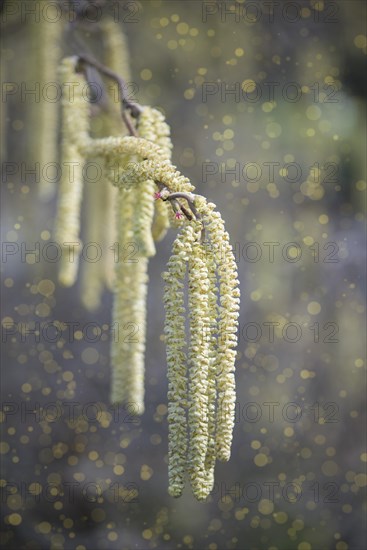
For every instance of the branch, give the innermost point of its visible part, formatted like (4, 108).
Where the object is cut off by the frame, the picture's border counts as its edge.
(134, 108)
(189, 197)
(178, 206)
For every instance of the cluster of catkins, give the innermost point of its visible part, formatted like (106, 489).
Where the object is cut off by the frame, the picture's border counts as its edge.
(150, 195)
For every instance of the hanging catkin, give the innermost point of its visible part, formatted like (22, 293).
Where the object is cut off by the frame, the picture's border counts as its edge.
(177, 360)
(135, 218)
(199, 358)
(74, 131)
(129, 311)
(44, 111)
(101, 197)
(116, 57)
(153, 127)
(227, 328)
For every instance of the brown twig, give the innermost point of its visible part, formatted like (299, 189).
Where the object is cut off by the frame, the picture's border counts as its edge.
(166, 194)
(189, 197)
(134, 108)
(178, 206)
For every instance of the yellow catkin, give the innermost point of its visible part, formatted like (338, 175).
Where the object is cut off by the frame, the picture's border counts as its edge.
(44, 111)
(130, 290)
(153, 167)
(74, 131)
(144, 192)
(161, 135)
(131, 277)
(99, 215)
(116, 53)
(163, 172)
(101, 194)
(199, 371)
(3, 107)
(227, 328)
(128, 378)
(152, 126)
(109, 237)
(211, 330)
(161, 220)
(176, 360)
(92, 274)
(116, 57)
(129, 312)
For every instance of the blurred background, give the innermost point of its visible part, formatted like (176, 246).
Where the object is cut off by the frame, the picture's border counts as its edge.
(266, 106)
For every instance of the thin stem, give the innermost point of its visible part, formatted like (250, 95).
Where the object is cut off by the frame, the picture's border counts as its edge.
(134, 108)
(189, 197)
(172, 197)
